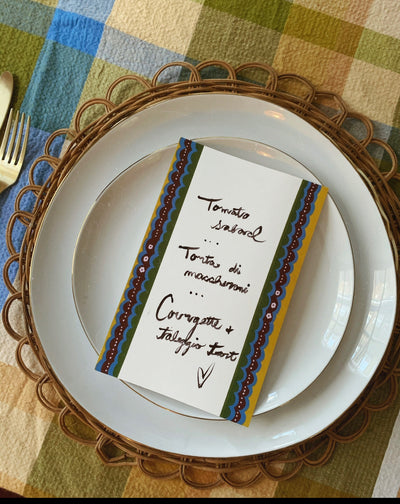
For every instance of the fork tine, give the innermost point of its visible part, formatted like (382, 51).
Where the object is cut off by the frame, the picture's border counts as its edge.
(25, 142)
(12, 139)
(19, 138)
(6, 133)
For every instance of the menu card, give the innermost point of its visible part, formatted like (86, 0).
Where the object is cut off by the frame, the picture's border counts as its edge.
(202, 309)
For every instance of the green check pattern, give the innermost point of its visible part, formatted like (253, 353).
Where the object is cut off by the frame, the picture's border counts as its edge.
(64, 52)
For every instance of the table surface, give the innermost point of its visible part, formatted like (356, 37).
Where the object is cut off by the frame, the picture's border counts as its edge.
(63, 53)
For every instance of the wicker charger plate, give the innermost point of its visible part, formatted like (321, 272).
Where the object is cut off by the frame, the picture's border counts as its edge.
(326, 112)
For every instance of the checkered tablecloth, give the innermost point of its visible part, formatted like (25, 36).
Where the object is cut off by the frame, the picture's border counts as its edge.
(64, 52)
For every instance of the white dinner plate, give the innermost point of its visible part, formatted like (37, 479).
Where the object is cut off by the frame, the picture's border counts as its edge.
(73, 358)
(319, 309)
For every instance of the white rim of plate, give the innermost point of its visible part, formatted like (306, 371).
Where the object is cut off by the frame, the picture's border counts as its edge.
(370, 324)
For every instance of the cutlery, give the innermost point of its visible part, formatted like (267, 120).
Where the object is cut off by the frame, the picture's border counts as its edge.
(11, 153)
(6, 88)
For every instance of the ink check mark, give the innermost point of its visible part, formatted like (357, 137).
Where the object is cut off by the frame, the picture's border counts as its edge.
(202, 375)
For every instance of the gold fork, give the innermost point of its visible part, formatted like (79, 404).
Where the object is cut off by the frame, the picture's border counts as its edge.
(12, 154)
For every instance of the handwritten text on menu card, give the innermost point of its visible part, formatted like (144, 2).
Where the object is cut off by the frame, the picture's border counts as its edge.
(202, 309)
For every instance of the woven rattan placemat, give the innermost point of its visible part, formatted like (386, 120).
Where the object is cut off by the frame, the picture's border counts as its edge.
(328, 113)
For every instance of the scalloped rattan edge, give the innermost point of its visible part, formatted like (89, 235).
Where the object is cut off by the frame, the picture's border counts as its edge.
(114, 449)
